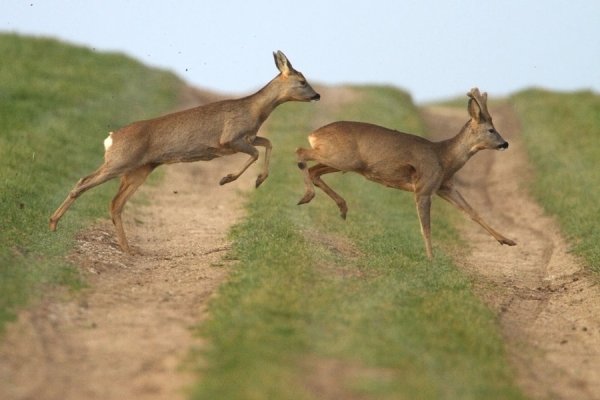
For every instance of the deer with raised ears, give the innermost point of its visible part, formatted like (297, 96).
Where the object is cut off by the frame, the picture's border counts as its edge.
(201, 133)
(402, 161)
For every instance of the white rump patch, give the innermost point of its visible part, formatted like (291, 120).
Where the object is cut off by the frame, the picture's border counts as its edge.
(108, 141)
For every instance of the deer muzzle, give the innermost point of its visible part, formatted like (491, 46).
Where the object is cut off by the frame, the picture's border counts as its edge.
(503, 146)
(316, 97)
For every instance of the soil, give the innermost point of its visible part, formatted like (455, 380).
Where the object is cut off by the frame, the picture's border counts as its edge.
(548, 305)
(126, 336)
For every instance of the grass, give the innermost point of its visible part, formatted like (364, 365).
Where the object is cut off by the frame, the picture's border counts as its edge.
(57, 103)
(356, 301)
(562, 135)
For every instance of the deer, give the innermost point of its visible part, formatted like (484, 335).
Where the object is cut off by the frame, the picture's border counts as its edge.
(402, 161)
(197, 134)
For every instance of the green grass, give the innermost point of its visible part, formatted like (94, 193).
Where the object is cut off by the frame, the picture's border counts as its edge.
(562, 135)
(356, 298)
(57, 103)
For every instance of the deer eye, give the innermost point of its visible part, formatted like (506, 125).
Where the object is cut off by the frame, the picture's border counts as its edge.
(303, 83)
(491, 130)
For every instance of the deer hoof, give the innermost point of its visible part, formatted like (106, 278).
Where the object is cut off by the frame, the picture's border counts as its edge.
(508, 242)
(227, 179)
(124, 247)
(343, 210)
(307, 198)
(261, 178)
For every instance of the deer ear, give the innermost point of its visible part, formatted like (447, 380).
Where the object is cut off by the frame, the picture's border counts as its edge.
(474, 110)
(478, 105)
(282, 63)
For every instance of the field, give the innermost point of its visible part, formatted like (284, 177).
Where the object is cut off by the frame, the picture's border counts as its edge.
(58, 103)
(562, 140)
(287, 301)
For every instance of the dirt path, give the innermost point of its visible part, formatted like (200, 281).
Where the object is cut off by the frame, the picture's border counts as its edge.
(548, 306)
(127, 335)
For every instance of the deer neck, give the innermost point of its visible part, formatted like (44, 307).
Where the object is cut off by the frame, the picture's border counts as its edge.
(455, 152)
(263, 102)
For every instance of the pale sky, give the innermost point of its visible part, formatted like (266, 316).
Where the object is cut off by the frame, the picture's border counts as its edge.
(433, 49)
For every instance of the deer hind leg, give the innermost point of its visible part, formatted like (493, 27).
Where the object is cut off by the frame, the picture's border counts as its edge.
(423, 211)
(241, 146)
(96, 178)
(261, 141)
(312, 178)
(454, 197)
(315, 173)
(130, 182)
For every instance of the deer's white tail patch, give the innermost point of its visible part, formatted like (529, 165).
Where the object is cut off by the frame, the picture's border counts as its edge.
(108, 141)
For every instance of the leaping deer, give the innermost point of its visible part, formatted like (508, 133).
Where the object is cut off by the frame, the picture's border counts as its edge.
(402, 161)
(201, 133)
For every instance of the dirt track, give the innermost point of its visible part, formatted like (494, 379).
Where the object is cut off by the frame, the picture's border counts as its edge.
(549, 307)
(126, 336)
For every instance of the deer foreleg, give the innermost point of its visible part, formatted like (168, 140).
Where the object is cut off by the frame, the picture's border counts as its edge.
(241, 146)
(309, 193)
(261, 141)
(454, 197)
(423, 211)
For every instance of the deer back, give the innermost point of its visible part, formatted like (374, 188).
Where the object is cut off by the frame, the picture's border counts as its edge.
(177, 137)
(389, 157)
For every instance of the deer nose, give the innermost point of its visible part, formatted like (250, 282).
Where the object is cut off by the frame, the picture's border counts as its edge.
(316, 97)
(503, 146)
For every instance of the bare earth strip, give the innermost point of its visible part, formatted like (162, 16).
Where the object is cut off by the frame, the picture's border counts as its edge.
(548, 305)
(127, 335)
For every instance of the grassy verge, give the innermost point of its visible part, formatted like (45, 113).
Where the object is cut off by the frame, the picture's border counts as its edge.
(57, 102)
(562, 135)
(322, 308)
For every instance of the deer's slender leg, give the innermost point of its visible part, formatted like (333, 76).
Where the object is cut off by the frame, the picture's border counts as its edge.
(241, 146)
(130, 182)
(315, 173)
(423, 211)
(96, 178)
(303, 155)
(454, 197)
(261, 141)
